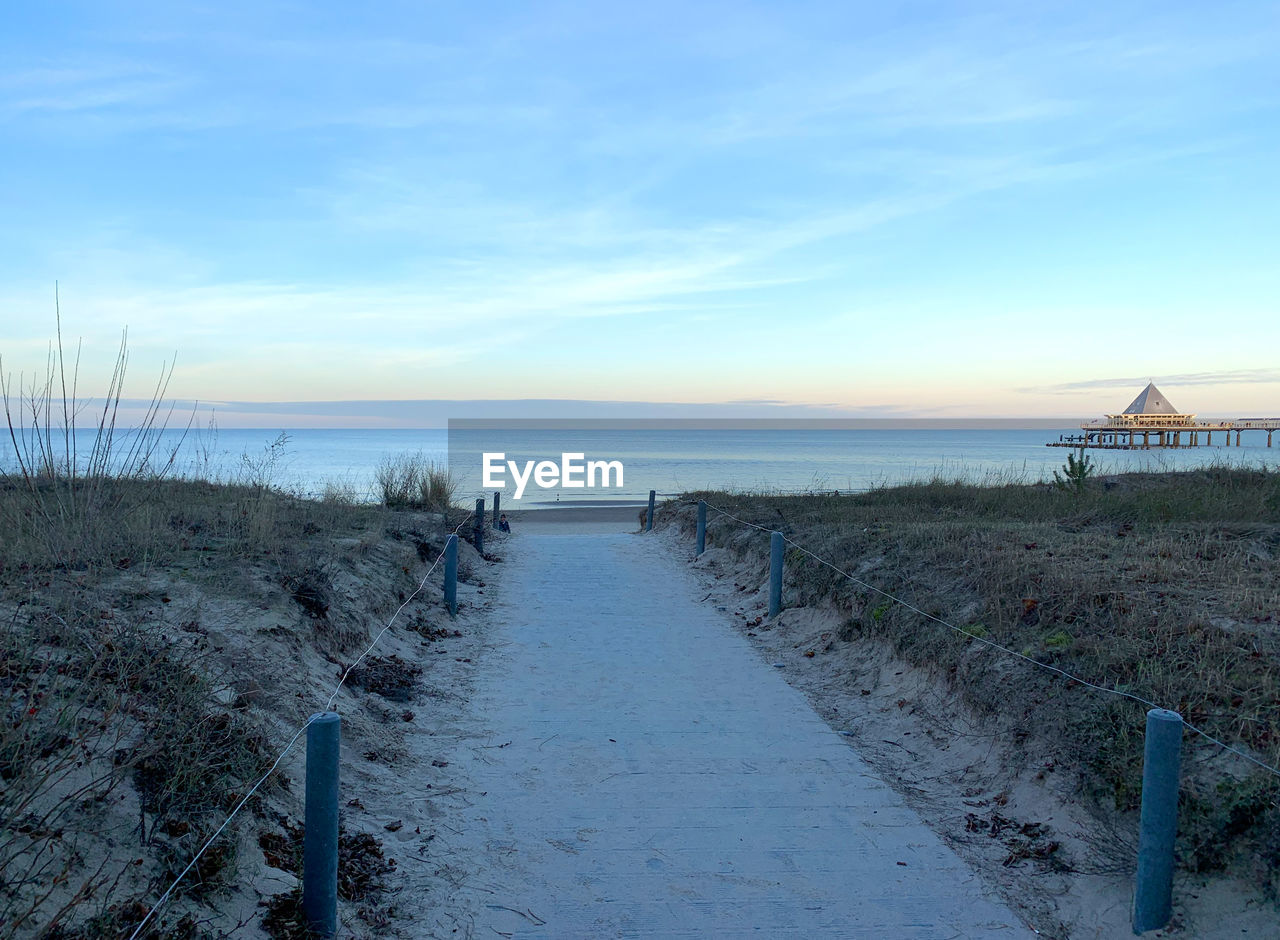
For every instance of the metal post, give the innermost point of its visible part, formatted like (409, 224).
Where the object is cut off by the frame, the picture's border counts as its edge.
(702, 526)
(1158, 825)
(320, 840)
(477, 530)
(775, 574)
(451, 575)
(497, 501)
(648, 523)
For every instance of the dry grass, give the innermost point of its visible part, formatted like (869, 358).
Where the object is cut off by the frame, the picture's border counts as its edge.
(106, 703)
(411, 481)
(1163, 585)
(105, 700)
(96, 707)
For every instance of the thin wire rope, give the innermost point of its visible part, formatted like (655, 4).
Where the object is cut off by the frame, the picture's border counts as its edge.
(991, 643)
(217, 832)
(421, 584)
(292, 741)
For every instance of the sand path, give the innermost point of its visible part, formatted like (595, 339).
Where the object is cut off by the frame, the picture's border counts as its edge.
(635, 769)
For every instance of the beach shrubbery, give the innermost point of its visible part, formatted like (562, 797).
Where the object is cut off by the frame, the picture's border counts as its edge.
(1075, 473)
(1165, 585)
(128, 723)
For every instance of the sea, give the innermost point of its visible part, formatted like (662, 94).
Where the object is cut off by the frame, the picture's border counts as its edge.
(668, 460)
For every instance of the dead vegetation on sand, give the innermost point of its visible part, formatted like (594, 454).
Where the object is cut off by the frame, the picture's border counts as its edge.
(160, 641)
(1163, 585)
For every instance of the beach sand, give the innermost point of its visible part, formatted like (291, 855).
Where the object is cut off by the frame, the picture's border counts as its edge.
(414, 766)
(626, 765)
(576, 520)
(992, 802)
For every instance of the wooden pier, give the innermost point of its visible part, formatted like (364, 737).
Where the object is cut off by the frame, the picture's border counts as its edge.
(1100, 435)
(1151, 422)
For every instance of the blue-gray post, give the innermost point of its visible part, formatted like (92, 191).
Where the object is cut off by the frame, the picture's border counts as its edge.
(702, 526)
(451, 575)
(775, 574)
(1158, 826)
(320, 840)
(648, 522)
(497, 501)
(477, 530)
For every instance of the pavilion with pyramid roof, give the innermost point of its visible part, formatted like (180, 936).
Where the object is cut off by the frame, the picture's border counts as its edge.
(1151, 409)
(1151, 421)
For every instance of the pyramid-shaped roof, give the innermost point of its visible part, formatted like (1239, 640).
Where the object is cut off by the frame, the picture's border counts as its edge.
(1151, 402)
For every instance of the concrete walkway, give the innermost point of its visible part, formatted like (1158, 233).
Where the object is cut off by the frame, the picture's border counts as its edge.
(661, 780)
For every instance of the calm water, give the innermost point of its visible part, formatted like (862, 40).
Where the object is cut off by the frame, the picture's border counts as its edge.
(672, 461)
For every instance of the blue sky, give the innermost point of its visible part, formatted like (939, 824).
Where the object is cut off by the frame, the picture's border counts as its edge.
(923, 208)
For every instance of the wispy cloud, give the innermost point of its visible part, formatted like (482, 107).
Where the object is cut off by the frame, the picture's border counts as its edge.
(1225, 377)
(863, 198)
(76, 89)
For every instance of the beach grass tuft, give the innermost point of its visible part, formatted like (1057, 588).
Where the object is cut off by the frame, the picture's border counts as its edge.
(412, 481)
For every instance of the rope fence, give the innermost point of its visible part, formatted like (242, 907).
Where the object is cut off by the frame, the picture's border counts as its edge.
(1158, 816)
(324, 919)
(1161, 769)
(991, 643)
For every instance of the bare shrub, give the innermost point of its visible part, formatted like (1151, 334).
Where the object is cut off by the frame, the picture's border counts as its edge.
(122, 743)
(76, 497)
(101, 706)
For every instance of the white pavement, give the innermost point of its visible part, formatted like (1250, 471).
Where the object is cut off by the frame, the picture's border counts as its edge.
(663, 781)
